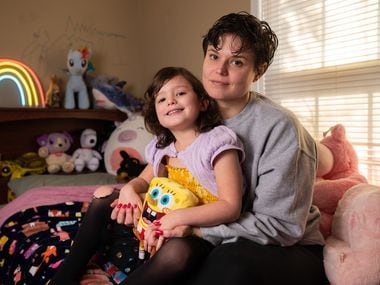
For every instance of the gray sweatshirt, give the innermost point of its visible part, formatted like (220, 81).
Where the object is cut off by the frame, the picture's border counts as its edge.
(279, 166)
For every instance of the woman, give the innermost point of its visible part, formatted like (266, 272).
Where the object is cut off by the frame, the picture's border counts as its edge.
(276, 240)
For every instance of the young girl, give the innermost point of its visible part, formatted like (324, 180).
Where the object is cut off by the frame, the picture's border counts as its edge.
(190, 147)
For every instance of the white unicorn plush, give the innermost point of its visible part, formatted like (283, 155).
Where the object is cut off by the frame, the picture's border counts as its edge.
(77, 63)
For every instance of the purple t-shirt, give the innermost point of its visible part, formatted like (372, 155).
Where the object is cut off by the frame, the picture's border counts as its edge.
(199, 156)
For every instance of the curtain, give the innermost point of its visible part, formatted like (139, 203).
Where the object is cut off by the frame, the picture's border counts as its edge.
(327, 69)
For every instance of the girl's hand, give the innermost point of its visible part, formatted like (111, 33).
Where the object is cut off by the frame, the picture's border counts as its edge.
(154, 234)
(127, 210)
(171, 220)
(153, 238)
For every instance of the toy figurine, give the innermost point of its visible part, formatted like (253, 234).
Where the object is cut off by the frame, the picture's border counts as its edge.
(164, 195)
(53, 94)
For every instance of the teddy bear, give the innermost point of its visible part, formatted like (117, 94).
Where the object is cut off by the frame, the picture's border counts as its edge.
(86, 156)
(342, 175)
(352, 251)
(53, 147)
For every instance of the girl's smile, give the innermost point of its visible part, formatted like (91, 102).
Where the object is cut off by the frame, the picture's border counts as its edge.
(177, 105)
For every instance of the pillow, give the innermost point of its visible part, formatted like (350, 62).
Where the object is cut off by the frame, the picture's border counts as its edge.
(23, 184)
(129, 136)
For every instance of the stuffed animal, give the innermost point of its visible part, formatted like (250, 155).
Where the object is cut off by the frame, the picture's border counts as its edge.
(129, 136)
(53, 94)
(130, 168)
(86, 156)
(352, 251)
(112, 96)
(77, 63)
(53, 147)
(164, 195)
(27, 164)
(344, 174)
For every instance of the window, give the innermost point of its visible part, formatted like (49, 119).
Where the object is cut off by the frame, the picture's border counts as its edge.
(327, 69)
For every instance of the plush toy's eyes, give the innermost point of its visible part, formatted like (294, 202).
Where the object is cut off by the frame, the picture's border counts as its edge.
(166, 201)
(6, 170)
(155, 193)
(71, 62)
(84, 62)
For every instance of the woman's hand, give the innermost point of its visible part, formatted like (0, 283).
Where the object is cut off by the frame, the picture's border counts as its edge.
(181, 231)
(127, 208)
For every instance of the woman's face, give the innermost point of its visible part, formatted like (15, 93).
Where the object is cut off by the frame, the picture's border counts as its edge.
(227, 76)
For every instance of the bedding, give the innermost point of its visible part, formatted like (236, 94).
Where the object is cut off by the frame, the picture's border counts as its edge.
(37, 230)
(23, 184)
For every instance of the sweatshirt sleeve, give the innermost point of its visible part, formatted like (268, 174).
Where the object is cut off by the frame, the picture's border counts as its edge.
(276, 208)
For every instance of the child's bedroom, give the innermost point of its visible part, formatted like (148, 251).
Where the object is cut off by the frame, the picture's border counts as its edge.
(73, 75)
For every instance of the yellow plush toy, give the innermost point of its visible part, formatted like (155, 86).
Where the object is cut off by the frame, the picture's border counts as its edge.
(164, 195)
(28, 163)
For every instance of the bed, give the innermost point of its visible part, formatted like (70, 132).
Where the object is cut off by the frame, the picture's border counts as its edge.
(37, 228)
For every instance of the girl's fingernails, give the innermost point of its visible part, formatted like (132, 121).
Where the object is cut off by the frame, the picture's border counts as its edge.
(156, 223)
(124, 206)
(128, 205)
(119, 205)
(135, 206)
(159, 232)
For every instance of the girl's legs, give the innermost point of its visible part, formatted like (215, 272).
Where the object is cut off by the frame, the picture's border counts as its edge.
(173, 263)
(87, 240)
(246, 262)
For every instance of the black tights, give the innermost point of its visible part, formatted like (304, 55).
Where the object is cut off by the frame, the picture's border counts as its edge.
(173, 262)
(88, 239)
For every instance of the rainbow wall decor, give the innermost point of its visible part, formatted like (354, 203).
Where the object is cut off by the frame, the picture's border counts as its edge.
(26, 80)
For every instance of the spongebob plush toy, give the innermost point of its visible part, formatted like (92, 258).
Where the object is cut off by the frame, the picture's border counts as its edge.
(164, 195)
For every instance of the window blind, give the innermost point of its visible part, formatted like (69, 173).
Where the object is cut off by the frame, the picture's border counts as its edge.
(327, 69)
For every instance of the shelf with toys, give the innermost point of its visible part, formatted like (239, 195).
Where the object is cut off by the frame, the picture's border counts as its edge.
(22, 114)
(19, 127)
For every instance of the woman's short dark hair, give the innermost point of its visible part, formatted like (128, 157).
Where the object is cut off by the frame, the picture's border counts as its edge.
(207, 119)
(256, 36)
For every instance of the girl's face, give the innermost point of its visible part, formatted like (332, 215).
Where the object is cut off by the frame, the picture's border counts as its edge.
(227, 76)
(177, 105)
